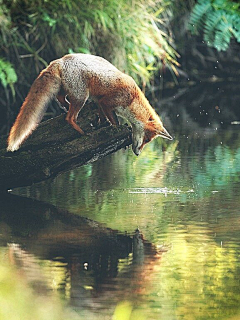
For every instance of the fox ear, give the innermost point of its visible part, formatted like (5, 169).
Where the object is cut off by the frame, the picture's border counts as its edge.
(164, 134)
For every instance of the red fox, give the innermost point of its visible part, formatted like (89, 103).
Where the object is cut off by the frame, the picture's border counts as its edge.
(78, 76)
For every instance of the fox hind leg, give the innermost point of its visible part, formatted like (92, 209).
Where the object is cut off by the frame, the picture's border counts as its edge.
(63, 102)
(75, 107)
(61, 99)
(72, 115)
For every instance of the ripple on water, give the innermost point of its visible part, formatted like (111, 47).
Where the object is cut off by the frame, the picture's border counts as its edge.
(164, 190)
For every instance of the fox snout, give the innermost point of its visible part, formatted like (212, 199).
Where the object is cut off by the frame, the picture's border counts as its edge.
(138, 134)
(137, 149)
(164, 134)
(142, 136)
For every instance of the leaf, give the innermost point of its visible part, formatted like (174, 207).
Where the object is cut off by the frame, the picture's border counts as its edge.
(8, 75)
(219, 20)
(197, 18)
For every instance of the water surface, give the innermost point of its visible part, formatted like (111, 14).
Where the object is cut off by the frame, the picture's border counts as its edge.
(184, 198)
(81, 245)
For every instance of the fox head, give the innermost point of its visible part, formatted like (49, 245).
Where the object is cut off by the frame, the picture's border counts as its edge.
(144, 133)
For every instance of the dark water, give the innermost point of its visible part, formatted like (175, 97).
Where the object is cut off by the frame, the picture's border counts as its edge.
(184, 198)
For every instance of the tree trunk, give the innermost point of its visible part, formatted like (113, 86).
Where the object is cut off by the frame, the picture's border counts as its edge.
(55, 147)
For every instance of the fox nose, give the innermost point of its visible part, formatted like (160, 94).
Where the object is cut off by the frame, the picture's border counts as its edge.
(137, 151)
(164, 134)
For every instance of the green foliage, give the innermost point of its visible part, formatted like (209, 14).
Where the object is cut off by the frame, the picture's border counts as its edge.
(128, 33)
(7, 75)
(219, 20)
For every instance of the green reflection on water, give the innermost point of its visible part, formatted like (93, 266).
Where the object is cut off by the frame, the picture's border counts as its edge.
(184, 195)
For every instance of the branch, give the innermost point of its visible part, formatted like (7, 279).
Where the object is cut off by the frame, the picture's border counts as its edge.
(55, 147)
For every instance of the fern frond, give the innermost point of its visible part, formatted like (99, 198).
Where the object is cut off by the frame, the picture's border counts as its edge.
(236, 27)
(197, 18)
(223, 36)
(218, 19)
(211, 25)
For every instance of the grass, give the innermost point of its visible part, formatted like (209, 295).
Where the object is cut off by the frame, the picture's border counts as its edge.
(131, 34)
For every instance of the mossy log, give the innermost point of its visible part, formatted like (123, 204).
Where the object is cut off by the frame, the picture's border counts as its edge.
(55, 147)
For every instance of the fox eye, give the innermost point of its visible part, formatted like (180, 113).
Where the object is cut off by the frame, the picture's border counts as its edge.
(150, 119)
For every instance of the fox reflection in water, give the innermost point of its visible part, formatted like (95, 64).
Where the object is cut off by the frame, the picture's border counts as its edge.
(87, 263)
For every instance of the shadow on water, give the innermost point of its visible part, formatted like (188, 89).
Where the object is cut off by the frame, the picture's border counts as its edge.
(89, 265)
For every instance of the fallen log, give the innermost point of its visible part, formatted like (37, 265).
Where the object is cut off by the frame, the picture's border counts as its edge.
(55, 147)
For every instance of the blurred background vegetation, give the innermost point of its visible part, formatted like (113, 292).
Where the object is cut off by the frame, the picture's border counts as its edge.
(143, 38)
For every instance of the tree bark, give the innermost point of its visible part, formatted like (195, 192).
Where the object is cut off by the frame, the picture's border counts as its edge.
(55, 147)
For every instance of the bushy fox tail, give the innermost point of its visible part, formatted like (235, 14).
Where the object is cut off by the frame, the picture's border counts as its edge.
(43, 90)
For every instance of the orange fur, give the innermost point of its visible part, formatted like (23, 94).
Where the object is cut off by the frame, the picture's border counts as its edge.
(79, 76)
(41, 93)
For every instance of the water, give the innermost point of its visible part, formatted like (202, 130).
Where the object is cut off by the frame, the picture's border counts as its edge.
(184, 198)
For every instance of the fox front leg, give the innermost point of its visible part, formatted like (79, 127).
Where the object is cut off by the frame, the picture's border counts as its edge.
(106, 111)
